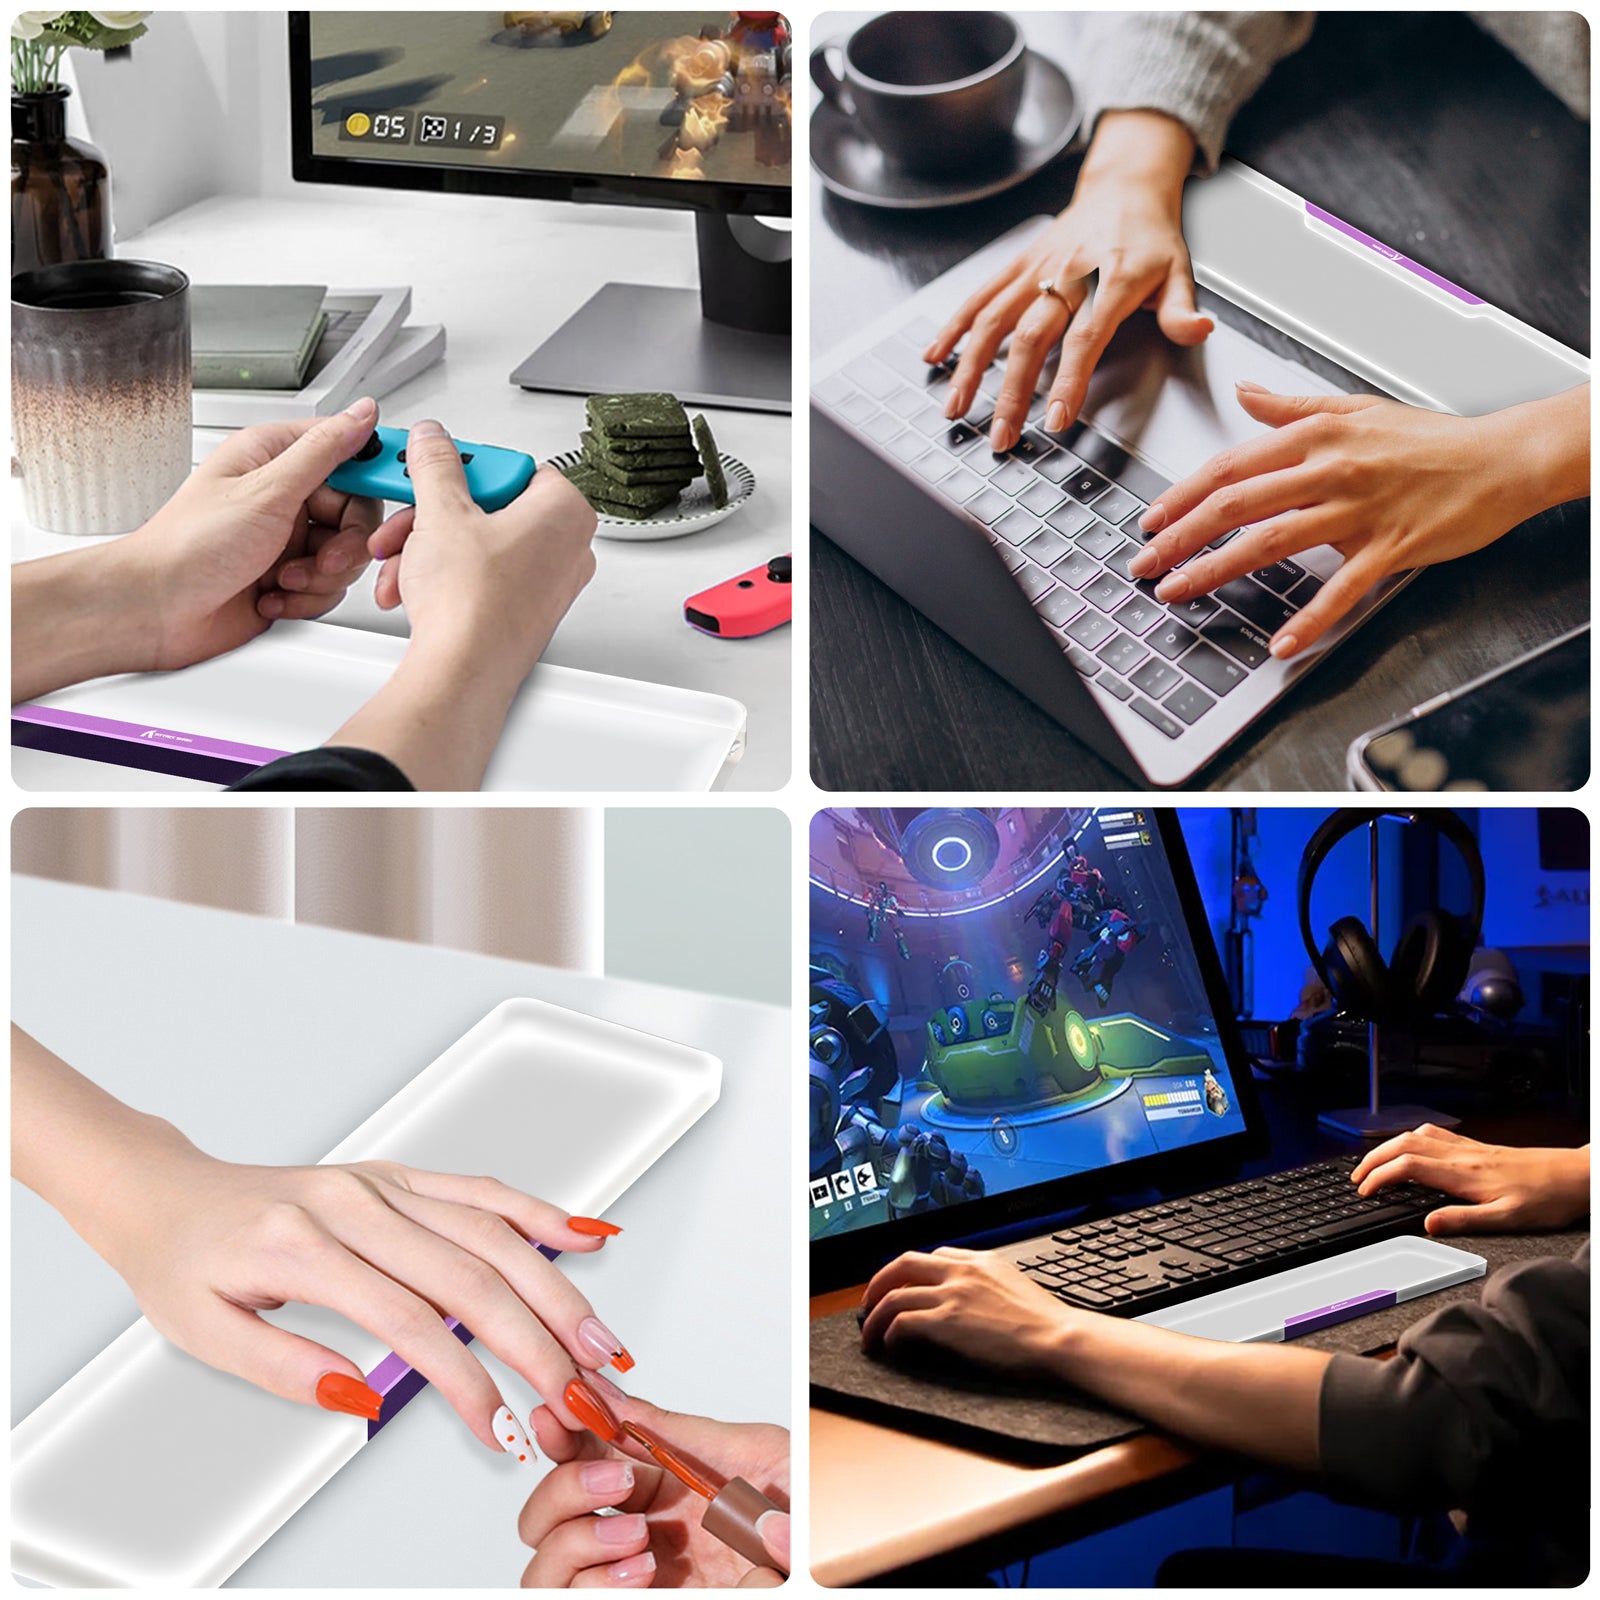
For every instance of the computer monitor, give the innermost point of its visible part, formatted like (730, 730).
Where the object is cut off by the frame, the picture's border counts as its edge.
(681, 109)
(1013, 1010)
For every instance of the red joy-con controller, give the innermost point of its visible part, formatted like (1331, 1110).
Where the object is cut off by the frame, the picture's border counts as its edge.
(757, 602)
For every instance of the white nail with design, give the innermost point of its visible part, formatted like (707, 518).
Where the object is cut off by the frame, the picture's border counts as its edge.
(510, 1435)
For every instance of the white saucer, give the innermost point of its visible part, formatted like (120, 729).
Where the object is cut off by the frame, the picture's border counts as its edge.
(689, 513)
(851, 166)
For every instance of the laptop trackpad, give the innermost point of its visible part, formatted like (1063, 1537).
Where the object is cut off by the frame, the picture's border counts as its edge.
(1177, 407)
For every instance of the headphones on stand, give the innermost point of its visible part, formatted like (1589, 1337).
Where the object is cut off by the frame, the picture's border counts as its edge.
(1432, 956)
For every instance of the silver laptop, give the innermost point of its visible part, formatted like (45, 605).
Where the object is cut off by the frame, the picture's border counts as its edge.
(1023, 557)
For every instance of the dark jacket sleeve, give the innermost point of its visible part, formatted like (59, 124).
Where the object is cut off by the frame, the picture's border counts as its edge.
(1484, 1407)
(331, 767)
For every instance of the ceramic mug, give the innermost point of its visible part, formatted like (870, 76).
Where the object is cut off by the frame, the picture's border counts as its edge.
(101, 392)
(936, 91)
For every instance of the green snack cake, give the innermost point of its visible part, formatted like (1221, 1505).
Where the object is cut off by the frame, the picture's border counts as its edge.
(617, 499)
(637, 416)
(681, 463)
(712, 462)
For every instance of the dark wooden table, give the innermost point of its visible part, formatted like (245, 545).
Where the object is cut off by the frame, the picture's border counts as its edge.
(1419, 129)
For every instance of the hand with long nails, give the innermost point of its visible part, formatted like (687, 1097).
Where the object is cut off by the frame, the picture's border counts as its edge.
(253, 536)
(657, 1540)
(1124, 224)
(1389, 486)
(205, 1244)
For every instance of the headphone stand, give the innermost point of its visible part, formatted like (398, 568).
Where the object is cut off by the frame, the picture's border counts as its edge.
(1373, 1121)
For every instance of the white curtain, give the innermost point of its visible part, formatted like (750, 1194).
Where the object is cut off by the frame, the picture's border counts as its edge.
(527, 883)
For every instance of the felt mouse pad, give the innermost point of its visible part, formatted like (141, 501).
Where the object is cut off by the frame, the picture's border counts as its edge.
(1022, 1421)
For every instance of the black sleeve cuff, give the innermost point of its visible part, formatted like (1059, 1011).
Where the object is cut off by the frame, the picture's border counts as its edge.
(331, 767)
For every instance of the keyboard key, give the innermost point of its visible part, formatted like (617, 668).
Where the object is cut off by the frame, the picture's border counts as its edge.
(1058, 466)
(908, 446)
(1256, 605)
(1106, 591)
(1244, 644)
(1090, 629)
(960, 485)
(906, 402)
(931, 422)
(1013, 476)
(1170, 639)
(1048, 547)
(1281, 576)
(1194, 611)
(856, 408)
(1306, 590)
(1083, 664)
(1070, 518)
(1075, 570)
(1086, 484)
(901, 359)
(1188, 702)
(989, 505)
(958, 438)
(831, 390)
(1014, 559)
(1139, 615)
(1031, 447)
(1059, 607)
(1035, 581)
(868, 373)
(1016, 526)
(1098, 539)
(1114, 687)
(1122, 654)
(1118, 561)
(1157, 718)
(980, 414)
(1117, 505)
(1213, 669)
(882, 427)
(933, 466)
(1155, 678)
(1040, 496)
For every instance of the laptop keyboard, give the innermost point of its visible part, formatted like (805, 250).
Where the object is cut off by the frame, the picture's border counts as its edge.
(1063, 512)
(1135, 1262)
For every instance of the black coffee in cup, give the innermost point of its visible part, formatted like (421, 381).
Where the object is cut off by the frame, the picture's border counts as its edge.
(937, 91)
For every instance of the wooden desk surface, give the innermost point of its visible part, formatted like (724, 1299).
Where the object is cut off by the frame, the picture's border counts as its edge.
(1473, 169)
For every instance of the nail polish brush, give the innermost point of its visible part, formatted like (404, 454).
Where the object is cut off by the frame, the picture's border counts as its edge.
(731, 1512)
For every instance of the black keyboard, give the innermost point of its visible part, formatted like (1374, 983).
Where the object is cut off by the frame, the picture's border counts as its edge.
(1063, 510)
(1183, 1248)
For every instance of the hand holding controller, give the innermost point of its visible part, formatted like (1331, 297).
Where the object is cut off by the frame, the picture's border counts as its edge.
(378, 470)
(755, 602)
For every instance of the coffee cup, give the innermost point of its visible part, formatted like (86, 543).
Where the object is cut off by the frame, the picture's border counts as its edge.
(101, 392)
(937, 91)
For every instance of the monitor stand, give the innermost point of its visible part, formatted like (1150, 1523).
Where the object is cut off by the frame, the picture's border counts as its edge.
(727, 344)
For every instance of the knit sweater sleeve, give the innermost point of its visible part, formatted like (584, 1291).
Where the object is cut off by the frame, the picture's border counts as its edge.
(1197, 67)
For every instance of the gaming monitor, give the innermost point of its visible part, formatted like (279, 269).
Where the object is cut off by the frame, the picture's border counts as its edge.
(1013, 1011)
(675, 109)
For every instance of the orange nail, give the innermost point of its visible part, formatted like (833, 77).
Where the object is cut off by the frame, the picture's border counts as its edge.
(592, 1411)
(336, 1392)
(622, 1361)
(593, 1226)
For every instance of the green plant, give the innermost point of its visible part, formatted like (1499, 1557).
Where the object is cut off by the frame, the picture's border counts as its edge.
(39, 39)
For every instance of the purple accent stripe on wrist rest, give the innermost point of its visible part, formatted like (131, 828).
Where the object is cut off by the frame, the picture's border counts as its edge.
(142, 733)
(1340, 1311)
(1393, 255)
(398, 1382)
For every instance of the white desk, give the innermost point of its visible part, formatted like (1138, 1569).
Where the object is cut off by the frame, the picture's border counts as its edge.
(501, 275)
(268, 1042)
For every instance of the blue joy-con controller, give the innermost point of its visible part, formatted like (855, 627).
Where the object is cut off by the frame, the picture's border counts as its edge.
(495, 477)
